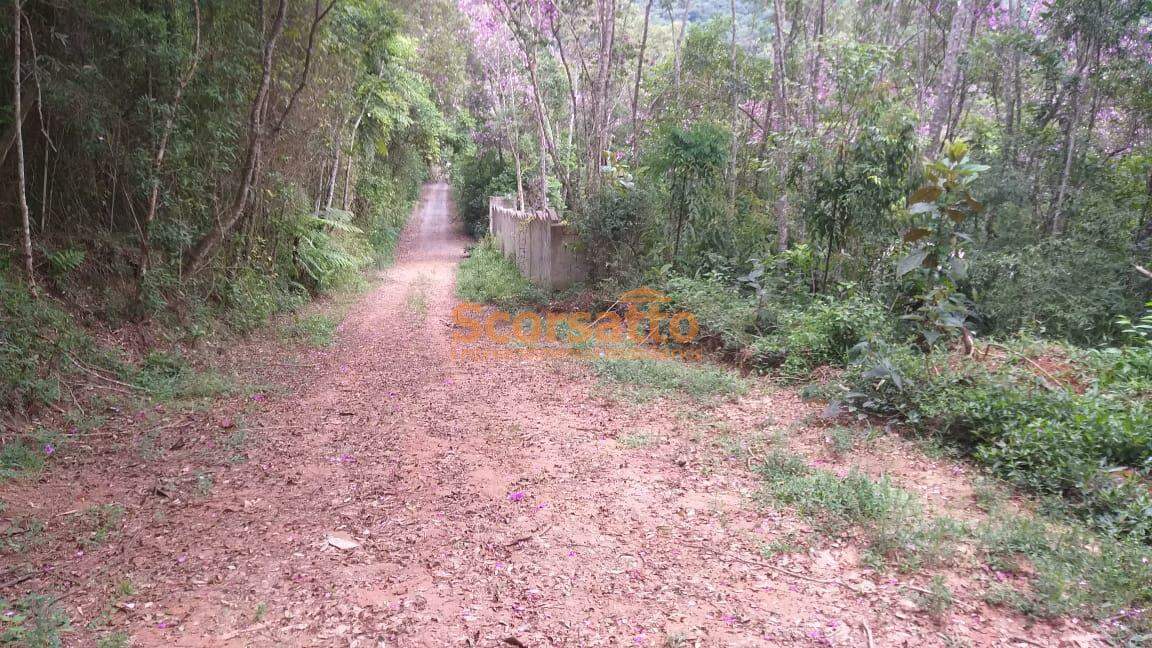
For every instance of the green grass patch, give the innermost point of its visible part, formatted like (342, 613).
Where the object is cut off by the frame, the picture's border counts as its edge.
(316, 330)
(837, 501)
(487, 276)
(1068, 569)
(636, 440)
(23, 533)
(26, 456)
(33, 621)
(645, 378)
(1072, 571)
(103, 522)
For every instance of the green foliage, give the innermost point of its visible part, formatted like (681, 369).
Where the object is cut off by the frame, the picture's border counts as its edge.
(487, 276)
(843, 500)
(651, 377)
(1070, 288)
(104, 521)
(938, 259)
(690, 161)
(23, 533)
(34, 621)
(27, 455)
(1075, 572)
(856, 190)
(317, 330)
(36, 338)
(65, 261)
(1092, 448)
(252, 297)
(329, 249)
(822, 332)
(720, 309)
(619, 230)
(479, 176)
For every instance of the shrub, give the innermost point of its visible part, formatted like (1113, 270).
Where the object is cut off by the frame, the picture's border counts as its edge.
(478, 177)
(718, 308)
(487, 276)
(1092, 448)
(823, 332)
(1066, 288)
(619, 230)
(36, 337)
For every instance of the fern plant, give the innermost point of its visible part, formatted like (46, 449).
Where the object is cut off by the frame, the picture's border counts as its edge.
(64, 262)
(329, 248)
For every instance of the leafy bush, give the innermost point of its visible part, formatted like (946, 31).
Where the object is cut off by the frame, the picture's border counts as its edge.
(253, 296)
(478, 177)
(1092, 448)
(385, 204)
(718, 308)
(619, 230)
(330, 251)
(823, 332)
(487, 276)
(36, 337)
(1066, 288)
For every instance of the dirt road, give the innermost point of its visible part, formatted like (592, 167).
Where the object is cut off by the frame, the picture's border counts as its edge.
(493, 504)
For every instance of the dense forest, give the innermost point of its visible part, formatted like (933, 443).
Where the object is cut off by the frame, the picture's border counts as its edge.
(930, 215)
(191, 160)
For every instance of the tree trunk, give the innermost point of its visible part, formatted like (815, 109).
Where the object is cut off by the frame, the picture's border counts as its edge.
(330, 190)
(158, 159)
(817, 63)
(1057, 216)
(198, 256)
(948, 77)
(735, 108)
(636, 85)
(21, 181)
(345, 200)
(678, 46)
(258, 133)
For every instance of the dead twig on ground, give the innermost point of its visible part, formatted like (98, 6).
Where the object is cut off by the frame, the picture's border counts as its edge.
(1055, 383)
(763, 565)
(95, 374)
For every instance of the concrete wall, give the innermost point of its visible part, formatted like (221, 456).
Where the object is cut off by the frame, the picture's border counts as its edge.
(543, 249)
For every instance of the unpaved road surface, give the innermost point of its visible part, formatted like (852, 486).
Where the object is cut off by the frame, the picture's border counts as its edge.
(494, 503)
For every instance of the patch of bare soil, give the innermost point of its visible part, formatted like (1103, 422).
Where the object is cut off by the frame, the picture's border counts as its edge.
(392, 494)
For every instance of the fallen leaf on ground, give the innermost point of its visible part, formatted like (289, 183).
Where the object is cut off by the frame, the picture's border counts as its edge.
(342, 540)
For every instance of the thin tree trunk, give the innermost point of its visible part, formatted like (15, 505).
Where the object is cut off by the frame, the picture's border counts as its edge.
(158, 159)
(816, 70)
(344, 201)
(21, 181)
(198, 256)
(778, 55)
(1057, 217)
(735, 98)
(330, 190)
(636, 85)
(948, 77)
(678, 46)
